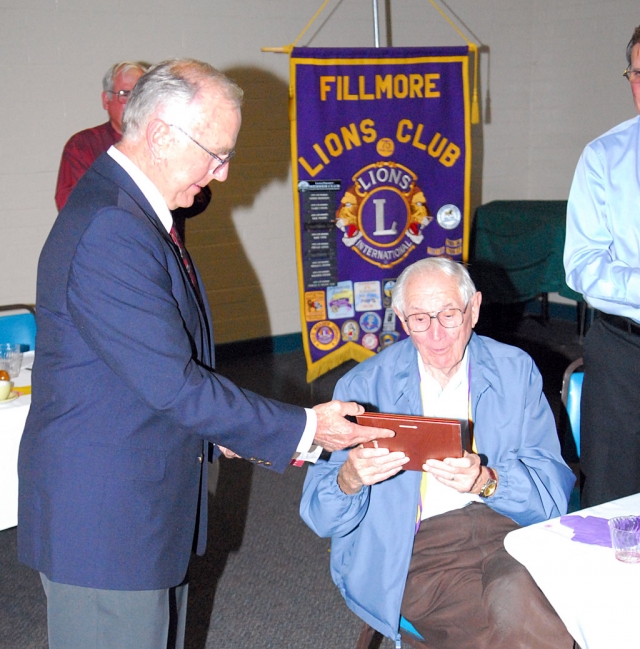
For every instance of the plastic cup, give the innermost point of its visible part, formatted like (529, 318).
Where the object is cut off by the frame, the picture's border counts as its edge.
(11, 359)
(5, 390)
(625, 538)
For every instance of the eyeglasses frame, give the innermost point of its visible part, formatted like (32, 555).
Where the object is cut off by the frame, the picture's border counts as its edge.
(122, 95)
(628, 72)
(221, 161)
(435, 317)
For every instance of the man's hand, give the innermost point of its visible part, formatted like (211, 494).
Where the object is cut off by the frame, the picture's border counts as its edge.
(334, 432)
(461, 473)
(367, 466)
(227, 453)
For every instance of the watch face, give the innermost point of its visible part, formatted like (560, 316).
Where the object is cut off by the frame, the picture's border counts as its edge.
(489, 489)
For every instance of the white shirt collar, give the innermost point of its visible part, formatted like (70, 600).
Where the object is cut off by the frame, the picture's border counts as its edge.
(150, 191)
(461, 376)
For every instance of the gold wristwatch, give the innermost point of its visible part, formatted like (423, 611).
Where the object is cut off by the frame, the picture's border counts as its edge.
(490, 486)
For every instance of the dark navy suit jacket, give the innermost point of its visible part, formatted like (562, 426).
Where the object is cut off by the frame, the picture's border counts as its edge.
(125, 400)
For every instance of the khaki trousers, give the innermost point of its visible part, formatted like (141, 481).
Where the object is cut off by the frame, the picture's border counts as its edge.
(464, 591)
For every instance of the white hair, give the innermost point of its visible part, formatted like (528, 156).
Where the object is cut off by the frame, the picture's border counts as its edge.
(173, 85)
(429, 266)
(121, 68)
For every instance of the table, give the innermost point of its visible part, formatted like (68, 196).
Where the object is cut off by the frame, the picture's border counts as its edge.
(517, 249)
(595, 595)
(12, 419)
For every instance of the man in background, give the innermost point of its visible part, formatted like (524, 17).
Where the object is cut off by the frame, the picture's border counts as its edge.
(83, 148)
(602, 261)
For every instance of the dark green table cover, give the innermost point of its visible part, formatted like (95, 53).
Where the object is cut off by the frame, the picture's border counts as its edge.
(516, 250)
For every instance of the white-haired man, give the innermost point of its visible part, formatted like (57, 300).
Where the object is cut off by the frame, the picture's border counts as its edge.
(126, 403)
(429, 544)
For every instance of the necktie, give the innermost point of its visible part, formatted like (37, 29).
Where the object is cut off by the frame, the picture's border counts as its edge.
(184, 255)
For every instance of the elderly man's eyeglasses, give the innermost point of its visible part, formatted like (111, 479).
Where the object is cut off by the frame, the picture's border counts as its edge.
(448, 318)
(221, 161)
(122, 95)
(632, 74)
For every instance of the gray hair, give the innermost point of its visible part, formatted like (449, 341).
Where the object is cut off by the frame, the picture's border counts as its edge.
(635, 39)
(173, 85)
(429, 266)
(121, 68)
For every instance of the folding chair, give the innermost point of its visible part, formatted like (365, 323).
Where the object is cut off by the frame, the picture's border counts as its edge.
(18, 328)
(409, 634)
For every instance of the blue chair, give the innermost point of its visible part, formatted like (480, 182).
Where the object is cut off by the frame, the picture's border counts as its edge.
(18, 328)
(409, 634)
(571, 395)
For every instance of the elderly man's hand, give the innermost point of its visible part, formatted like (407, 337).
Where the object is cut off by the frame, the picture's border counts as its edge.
(366, 466)
(334, 432)
(461, 473)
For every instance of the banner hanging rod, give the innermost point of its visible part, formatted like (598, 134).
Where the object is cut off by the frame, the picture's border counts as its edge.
(376, 27)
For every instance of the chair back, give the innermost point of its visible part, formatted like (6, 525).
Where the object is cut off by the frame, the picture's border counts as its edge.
(18, 328)
(571, 395)
(369, 638)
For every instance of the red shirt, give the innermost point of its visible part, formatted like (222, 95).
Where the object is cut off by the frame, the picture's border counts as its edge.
(82, 150)
(79, 153)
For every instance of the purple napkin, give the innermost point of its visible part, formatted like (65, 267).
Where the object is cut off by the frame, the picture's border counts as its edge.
(589, 529)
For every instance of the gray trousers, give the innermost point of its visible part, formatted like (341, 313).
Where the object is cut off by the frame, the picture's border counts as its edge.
(91, 618)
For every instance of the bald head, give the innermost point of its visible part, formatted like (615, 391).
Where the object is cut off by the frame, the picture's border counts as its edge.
(169, 89)
(180, 127)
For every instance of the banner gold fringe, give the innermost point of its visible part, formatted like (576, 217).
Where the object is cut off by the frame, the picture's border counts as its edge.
(348, 352)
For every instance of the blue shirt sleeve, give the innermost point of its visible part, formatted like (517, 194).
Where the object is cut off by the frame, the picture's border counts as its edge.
(602, 247)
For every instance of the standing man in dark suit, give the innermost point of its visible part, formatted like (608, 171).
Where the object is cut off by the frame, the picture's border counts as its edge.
(113, 460)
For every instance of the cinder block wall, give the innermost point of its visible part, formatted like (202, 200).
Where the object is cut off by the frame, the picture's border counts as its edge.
(550, 81)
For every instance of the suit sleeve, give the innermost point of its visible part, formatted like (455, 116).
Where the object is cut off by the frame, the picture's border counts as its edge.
(592, 266)
(121, 299)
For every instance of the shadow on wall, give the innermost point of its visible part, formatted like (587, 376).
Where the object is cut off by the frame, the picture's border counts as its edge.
(477, 132)
(263, 156)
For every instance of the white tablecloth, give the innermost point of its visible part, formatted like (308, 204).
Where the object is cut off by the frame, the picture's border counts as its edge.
(12, 419)
(595, 594)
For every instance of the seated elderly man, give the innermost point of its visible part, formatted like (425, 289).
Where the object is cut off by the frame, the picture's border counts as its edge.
(429, 545)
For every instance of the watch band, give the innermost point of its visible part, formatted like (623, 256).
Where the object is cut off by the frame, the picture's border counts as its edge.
(490, 485)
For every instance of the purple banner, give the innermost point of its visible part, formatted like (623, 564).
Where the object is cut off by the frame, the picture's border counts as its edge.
(381, 170)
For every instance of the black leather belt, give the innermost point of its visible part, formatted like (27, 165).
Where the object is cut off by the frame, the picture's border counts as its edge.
(619, 322)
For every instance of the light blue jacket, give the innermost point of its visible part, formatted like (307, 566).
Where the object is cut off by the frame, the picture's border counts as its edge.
(372, 531)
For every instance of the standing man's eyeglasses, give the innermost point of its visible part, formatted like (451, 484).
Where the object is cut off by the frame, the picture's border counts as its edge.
(122, 95)
(632, 74)
(221, 161)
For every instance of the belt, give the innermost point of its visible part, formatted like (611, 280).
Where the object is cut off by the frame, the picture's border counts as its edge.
(619, 322)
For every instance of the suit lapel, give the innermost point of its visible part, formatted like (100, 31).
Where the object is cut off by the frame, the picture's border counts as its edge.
(132, 199)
